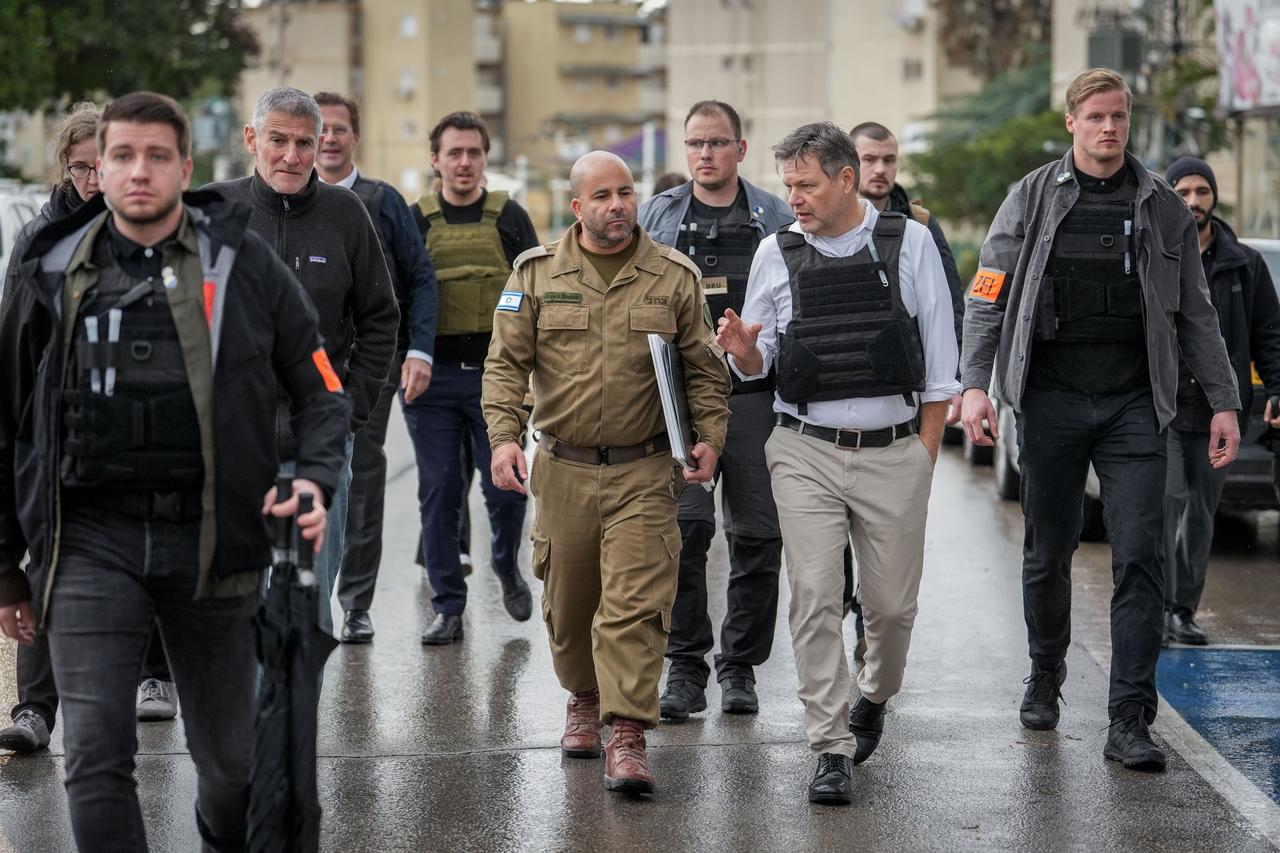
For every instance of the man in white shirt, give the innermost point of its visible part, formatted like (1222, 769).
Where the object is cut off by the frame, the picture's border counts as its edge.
(852, 307)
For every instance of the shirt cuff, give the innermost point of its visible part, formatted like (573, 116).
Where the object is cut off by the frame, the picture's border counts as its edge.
(764, 361)
(940, 393)
(417, 353)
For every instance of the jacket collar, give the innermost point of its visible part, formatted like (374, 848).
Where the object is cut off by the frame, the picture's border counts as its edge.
(1229, 254)
(569, 257)
(1066, 173)
(275, 202)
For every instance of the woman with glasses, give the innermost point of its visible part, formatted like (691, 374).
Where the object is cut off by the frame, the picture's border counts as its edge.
(76, 151)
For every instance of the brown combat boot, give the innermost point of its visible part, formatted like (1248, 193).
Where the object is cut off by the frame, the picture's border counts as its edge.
(626, 767)
(582, 726)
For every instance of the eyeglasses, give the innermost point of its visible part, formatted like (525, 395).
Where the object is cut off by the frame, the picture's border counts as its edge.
(80, 171)
(695, 145)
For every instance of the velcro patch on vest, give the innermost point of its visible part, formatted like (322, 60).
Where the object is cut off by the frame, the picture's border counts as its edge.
(560, 297)
(318, 259)
(715, 285)
(987, 284)
(511, 300)
(320, 359)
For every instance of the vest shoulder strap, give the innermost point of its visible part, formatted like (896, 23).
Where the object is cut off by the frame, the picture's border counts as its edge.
(888, 240)
(429, 204)
(493, 204)
(788, 240)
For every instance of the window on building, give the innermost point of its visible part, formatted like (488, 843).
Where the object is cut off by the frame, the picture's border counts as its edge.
(409, 131)
(613, 82)
(612, 134)
(407, 85)
(409, 26)
(912, 70)
(726, 62)
(582, 34)
(611, 33)
(583, 85)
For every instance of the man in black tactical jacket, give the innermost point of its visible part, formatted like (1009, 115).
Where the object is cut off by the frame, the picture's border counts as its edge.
(142, 350)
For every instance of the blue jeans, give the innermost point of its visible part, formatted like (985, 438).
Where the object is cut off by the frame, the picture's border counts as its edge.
(329, 560)
(439, 421)
(118, 576)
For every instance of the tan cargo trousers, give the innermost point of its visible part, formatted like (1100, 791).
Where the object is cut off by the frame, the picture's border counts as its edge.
(880, 497)
(606, 547)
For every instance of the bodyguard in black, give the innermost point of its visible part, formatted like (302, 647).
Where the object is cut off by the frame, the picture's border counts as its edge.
(414, 282)
(142, 350)
(1249, 317)
(718, 219)
(1088, 291)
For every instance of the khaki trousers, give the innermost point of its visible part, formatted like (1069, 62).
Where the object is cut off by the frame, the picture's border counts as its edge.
(606, 546)
(879, 497)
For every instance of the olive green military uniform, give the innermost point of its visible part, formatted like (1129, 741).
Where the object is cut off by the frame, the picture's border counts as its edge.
(606, 544)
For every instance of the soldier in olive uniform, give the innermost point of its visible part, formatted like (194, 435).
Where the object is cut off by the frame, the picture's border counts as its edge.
(577, 315)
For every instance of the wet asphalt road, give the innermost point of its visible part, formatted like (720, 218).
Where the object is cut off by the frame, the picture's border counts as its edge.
(456, 748)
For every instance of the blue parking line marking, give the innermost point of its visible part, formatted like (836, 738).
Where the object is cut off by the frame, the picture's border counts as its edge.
(1231, 697)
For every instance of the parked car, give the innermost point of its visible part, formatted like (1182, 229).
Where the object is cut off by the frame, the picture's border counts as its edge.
(17, 208)
(1253, 480)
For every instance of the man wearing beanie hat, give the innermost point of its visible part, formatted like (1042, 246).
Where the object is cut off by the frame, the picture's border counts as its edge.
(1249, 315)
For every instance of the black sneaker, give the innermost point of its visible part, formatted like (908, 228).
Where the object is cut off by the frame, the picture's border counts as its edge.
(680, 699)
(866, 722)
(515, 596)
(738, 696)
(1040, 702)
(1129, 741)
(28, 733)
(157, 701)
(832, 783)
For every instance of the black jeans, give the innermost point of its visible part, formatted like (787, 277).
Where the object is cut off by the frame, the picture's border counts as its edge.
(1059, 434)
(116, 577)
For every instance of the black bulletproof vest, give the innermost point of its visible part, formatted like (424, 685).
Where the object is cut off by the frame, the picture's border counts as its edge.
(1094, 273)
(371, 193)
(128, 416)
(723, 247)
(850, 334)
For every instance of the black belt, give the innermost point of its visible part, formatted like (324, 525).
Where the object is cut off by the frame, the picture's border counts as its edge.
(153, 506)
(604, 455)
(850, 439)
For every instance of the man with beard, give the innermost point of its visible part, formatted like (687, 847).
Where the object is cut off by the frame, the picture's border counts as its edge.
(142, 346)
(718, 219)
(577, 315)
(1089, 288)
(1242, 292)
(324, 235)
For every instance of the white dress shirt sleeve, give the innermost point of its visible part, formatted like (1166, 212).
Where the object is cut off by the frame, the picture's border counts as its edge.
(768, 276)
(924, 282)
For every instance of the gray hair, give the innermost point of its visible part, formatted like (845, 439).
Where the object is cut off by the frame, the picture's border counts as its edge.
(831, 146)
(291, 102)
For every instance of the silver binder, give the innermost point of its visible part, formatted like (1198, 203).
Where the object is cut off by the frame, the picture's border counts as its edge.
(669, 368)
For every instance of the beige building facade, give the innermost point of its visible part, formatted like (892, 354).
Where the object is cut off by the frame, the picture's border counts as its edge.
(407, 62)
(579, 76)
(782, 63)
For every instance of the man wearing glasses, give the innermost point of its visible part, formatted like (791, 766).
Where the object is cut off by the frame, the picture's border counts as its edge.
(718, 219)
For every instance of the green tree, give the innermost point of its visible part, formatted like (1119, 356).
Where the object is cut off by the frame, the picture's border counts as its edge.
(966, 180)
(988, 37)
(71, 49)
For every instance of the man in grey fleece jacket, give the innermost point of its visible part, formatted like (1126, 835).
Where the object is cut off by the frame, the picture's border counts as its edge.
(325, 236)
(1089, 287)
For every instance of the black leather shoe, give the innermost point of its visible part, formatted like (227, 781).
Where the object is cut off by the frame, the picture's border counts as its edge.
(866, 721)
(738, 696)
(515, 596)
(1040, 702)
(680, 699)
(446, 628)
(832, 783)
(1129, 741)
(357, 627)
(1182, 628)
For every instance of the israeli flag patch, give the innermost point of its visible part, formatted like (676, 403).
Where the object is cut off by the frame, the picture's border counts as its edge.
(510, 300)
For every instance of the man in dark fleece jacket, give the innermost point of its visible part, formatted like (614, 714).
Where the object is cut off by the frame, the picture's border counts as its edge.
(325, 236)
